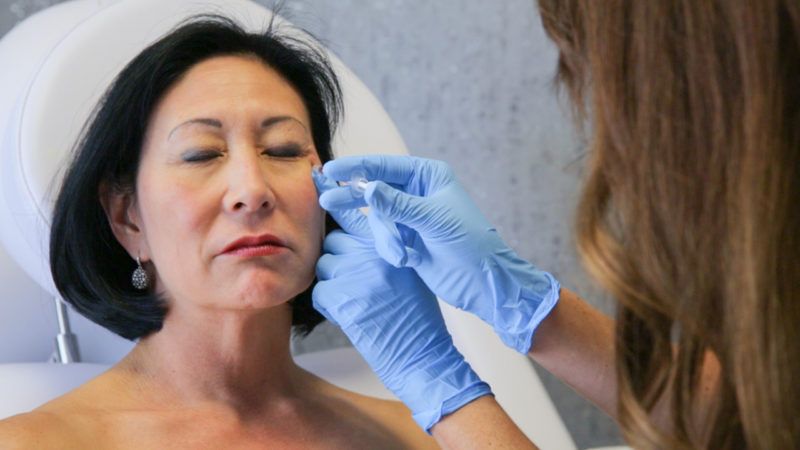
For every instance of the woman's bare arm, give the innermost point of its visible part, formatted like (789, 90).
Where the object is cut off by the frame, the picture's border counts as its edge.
(479, 424)
(576, 343)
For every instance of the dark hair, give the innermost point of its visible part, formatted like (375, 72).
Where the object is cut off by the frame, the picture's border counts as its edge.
(92, 271)
(689, 213)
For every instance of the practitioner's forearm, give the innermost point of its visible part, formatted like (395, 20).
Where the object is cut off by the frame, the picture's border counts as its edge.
(480, 424)
(576, 343)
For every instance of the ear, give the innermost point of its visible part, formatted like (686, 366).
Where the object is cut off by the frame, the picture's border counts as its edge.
(124, 219)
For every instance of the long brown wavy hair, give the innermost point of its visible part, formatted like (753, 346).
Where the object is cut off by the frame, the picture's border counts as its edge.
(690, 215)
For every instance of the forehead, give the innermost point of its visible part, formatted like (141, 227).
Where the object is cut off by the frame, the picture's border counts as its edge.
(225, 84)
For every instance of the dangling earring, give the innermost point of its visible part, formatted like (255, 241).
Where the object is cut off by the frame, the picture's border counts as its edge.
(140, 279)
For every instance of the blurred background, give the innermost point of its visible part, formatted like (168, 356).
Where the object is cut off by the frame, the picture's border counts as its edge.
(469, 82)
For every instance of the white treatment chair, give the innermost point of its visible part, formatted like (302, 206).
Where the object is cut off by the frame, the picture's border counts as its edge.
(57, 64)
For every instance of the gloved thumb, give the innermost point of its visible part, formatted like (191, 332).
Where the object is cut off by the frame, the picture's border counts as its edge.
(389, 242)
(351, 220)
(321, 297)
(396, 206)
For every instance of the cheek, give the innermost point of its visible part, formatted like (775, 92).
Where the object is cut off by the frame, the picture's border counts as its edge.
(314, 212)
(307, 197)
(174, 213)
(310, 215)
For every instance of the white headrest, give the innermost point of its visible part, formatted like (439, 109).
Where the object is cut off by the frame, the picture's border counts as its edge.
(63, 59)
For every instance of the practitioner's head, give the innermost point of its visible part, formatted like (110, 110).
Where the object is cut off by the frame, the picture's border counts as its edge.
(204, 142)
(689, 213)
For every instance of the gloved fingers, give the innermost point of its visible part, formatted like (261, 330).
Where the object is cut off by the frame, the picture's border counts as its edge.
(397, 206)
(414, 258)
(396, 169)
(340, 242)
(340, 197)
(342, 252)
(324, 292)
(388, 242)
(428, 177)
(326, 266)
(351, 268)
(352, 221)
(322, 183)
(332, 196)
(411, 240)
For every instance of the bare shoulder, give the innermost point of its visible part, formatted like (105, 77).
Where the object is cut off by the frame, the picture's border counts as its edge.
(37, 429)
(64, 422)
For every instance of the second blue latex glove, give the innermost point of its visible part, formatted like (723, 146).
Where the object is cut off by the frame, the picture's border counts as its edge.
(394, 321)
(421, 217)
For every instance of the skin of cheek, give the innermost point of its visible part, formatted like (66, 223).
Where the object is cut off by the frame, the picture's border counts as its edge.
(175, 242)
(315, 220)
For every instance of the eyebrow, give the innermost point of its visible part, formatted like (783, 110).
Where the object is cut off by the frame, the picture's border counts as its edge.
(217, 124)
(210, 122)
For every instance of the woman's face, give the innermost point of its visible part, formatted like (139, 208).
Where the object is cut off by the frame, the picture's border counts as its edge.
(225, 202)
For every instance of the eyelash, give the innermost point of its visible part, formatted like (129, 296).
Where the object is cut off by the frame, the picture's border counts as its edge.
(286, 151)
(197, 156)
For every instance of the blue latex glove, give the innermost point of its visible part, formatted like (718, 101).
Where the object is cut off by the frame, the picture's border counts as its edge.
(394, 321)
(424, 219)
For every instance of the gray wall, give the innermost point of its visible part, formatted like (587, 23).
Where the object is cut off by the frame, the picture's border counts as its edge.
(468, 82)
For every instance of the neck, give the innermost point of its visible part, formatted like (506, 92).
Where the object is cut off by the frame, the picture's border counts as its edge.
(239, 358)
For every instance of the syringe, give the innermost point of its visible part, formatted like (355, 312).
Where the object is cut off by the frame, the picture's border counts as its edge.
(358, 183)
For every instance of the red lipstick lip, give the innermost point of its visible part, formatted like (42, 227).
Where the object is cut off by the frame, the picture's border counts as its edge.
(265, 243)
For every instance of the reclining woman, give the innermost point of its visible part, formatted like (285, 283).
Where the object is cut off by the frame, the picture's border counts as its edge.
(188, 220)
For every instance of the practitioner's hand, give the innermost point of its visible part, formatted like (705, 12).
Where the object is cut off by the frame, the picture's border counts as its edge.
(394, 321)
(424, 219)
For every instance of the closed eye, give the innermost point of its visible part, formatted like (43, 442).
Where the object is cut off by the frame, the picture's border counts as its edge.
(200, 155)
(286, 151)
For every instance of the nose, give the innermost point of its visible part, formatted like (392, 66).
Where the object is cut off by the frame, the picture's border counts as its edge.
(249, 190)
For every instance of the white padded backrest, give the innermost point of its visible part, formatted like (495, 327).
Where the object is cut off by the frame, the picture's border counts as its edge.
(63, 59)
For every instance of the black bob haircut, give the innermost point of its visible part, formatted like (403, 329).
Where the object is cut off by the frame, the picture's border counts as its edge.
(92, 271)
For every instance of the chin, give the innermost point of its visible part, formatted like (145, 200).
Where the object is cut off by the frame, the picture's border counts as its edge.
(256, 297)
(265, 293)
